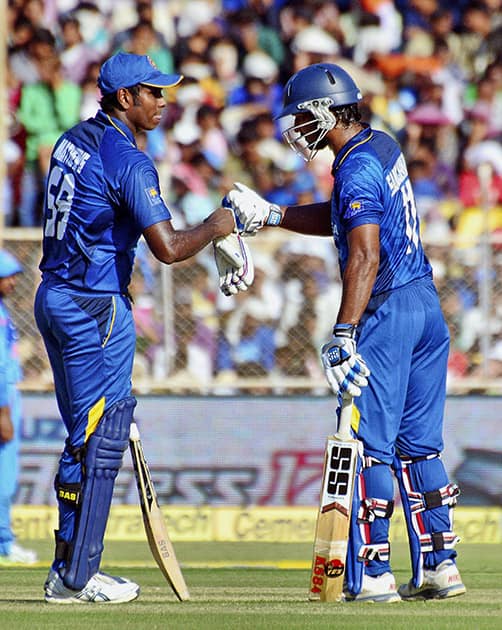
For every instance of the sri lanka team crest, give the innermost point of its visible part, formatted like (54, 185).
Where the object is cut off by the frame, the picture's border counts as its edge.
(151, 62)
(355, 207)
(153, 195)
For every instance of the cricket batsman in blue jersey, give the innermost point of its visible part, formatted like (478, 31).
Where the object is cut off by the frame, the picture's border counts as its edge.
(390, 342)
(102, 194)
(11, 553)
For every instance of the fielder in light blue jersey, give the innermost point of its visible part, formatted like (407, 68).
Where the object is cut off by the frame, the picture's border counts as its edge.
(390, 341)
(102, 194)
(11, 553)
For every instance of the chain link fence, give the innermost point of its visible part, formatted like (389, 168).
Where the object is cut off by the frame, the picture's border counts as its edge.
(192, 339)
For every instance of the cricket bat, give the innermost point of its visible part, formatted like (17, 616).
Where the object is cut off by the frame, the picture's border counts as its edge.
(153, 520)
(333, 519)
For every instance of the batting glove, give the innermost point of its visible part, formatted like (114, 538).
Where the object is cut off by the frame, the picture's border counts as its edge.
(234, 263)
(345, 369)
(252, 212)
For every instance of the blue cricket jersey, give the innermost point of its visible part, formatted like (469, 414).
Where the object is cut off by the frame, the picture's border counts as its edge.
(371, 185)
(102, 192)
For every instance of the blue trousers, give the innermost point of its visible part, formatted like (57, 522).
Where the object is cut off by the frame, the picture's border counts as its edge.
(404, 340)
(90, 340)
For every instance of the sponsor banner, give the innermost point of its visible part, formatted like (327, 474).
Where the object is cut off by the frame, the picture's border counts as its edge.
(261, 451)
(256, 524)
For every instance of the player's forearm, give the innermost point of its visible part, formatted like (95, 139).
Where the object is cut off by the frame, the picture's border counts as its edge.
(358, 280)
(313, 219)
(169, 245)
(182, 244)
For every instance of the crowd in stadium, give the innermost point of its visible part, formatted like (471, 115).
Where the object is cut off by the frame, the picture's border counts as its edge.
(431, 75)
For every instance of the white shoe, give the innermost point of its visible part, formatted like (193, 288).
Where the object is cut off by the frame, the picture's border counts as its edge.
(439, 583)
(376, 589)
(18, 555)
(102, 577)
(100, 589)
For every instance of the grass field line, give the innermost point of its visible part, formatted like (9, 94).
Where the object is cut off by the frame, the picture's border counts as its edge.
(218, 564)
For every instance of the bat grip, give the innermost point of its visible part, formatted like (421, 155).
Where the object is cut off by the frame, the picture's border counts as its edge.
(134, 432)
(345, 419)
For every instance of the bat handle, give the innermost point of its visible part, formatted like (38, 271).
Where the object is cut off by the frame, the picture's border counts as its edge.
(345, 419)
(134, 432)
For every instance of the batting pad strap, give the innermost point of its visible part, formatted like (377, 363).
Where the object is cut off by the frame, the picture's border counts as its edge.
(377, 551)
(63, 549)
(406, 461)
(368, 461)
(438, 541)
(447, 495)
(370, 509)
(69, 493)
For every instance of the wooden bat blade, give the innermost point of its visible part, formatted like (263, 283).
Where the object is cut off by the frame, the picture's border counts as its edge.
(154, 523)
(333, 520)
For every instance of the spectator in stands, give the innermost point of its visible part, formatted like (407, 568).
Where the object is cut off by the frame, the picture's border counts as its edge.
(224, 59)
(260, 91)
(89, 102)
(418, 40)
(144, 13)
(251, 35)
(146, 322)
(380, 30)
(293, 183)
(388, 111)
(94, 26)
(144, 40)
(75, 54)
(247, 160)
(480, 39)
(213, 141)
(197, 27)
(47, 108)
(35, 46)
(247, 346)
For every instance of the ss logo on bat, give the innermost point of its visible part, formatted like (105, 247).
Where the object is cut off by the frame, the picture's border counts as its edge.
(339, 462)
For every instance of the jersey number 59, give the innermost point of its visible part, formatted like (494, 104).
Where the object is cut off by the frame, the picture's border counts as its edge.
(60, 191)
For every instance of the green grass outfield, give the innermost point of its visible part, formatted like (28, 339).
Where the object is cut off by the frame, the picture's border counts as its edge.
(247, 586)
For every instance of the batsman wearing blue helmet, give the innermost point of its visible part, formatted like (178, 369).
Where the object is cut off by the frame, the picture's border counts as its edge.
(102, 194)
(390, 341)
(11, 553)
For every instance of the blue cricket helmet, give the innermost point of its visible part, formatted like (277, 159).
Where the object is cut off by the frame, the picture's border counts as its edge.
(9, 265)
(318, 90)
(319, 81)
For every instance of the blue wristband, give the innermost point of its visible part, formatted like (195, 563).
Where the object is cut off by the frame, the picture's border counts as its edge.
(275, 216)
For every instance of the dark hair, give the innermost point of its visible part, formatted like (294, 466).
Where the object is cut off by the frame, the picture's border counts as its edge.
(346, 115)
(69, 18)
(142, 24)
(43, 36)
(109, 102)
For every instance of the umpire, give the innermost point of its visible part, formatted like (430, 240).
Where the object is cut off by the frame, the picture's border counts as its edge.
(102, 194)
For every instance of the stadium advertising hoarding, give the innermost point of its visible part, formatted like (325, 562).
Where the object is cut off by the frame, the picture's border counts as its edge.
(217, 462)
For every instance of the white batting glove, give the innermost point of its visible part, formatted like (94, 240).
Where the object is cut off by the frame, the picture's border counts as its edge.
(252, 211)
(230, 249)
(234, 263)
(345, 369)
